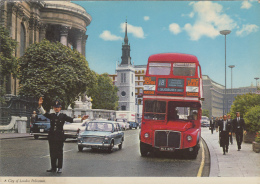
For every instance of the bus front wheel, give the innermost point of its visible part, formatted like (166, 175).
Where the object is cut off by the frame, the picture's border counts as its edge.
(144, 149)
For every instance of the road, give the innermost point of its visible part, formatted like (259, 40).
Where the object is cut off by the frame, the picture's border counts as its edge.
(29, 157)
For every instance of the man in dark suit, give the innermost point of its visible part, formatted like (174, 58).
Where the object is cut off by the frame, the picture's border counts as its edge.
(239, 128)
(56, 134)
(231, 121)
(212, 124)
(224, 128)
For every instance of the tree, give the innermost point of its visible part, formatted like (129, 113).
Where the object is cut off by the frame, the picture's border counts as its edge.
(54, 71)
(205, 112)
(8, 63)
(243, 103)
(252, 119)
(104, 93)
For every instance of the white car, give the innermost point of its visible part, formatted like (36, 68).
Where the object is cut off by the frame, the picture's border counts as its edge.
(123, 124)
(205, 122)
(72, 130)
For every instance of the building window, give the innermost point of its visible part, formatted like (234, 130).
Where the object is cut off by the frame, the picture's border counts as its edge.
(136, 83)
(141, 90)
(141, 83)
(123, 107)
(22, 40)
(123, 77)
(136, 90)
(123, 93)
(136, 78)
(141, 78)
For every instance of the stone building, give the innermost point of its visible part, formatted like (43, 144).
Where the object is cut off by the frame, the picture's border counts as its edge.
(32, 21)
(215, 98)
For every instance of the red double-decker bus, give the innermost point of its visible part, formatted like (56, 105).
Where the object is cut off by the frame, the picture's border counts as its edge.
(172, 101)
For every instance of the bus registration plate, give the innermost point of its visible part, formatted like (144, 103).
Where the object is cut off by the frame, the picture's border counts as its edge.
(167, 149)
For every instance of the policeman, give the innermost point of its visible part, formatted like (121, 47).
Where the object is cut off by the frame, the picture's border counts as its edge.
(56, 134)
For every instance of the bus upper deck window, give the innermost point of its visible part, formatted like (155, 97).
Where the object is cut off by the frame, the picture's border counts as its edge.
(184, 69)
(159, 68)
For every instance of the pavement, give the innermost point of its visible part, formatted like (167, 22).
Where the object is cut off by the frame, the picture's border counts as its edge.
(243, 163)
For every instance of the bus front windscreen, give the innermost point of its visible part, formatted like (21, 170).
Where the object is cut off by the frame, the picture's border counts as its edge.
(155, 110)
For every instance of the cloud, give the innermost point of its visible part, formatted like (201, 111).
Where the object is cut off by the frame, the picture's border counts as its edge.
(246, 5)
(174, 28)
(136, 31)
(107, 36)
(209, 20)
(247, 29)
(146, 18)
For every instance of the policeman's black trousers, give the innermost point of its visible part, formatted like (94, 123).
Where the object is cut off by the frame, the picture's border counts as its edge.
(56, 153)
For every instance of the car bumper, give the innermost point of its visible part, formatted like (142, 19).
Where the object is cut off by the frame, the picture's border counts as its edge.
(71, 135)
(40, 134)
(93, 145)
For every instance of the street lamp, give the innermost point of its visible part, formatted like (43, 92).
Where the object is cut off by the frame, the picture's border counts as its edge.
(225, 32)
(231, 66)
(256, 78)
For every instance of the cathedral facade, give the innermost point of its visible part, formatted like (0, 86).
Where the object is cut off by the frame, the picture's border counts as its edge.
(32, 21)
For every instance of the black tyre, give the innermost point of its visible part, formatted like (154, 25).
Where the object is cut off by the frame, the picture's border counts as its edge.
(110, 148)
(144, 149)
(36, 136)
(80, 148)
(120, 145)
(192, 154)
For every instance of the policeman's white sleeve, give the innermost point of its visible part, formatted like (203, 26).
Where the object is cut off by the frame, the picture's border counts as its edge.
(41, 110)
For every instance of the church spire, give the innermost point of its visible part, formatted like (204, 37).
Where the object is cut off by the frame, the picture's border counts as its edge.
(126, 38)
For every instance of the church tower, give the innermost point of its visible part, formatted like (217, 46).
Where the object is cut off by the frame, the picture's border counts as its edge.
(126, 78)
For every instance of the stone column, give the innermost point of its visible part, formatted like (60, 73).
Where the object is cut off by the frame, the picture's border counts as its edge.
(64, 35)
(79, 37)
(42, 33)
(84, 40)
(31, 30)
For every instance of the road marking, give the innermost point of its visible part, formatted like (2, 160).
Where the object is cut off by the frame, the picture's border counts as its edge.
(63, 152)
(202, 161)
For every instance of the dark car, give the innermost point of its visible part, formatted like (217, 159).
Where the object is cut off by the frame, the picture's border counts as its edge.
(101, 135)
(41, 127)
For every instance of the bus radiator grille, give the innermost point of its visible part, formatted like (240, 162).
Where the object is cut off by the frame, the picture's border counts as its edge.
(167, 138)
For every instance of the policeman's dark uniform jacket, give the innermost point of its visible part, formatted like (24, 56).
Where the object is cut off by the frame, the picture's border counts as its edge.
(56, 136)
(239, 127)
(224, 129)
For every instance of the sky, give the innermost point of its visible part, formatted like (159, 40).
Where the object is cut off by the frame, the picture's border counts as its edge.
(190, 27)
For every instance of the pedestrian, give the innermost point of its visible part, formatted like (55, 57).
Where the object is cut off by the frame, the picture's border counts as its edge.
(230, 121)
(224, 128)
(34, 118)
(212, 124)
(56, 134)
(239, 128)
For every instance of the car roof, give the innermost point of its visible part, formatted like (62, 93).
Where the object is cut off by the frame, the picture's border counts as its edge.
(102, 121)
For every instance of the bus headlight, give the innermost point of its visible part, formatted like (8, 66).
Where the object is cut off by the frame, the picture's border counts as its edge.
(146, 135)
(189, 138)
